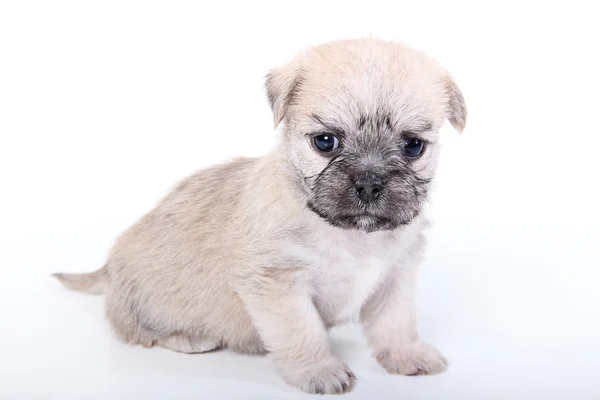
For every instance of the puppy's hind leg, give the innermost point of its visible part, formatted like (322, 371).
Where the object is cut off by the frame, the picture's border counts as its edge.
(133, 328)
(183, 343)
(130, 319)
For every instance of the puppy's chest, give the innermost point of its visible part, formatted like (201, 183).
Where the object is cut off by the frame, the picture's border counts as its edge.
(350, 268)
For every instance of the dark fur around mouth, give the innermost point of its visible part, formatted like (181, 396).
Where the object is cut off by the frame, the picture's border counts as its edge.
(364, 222)
(333, 197)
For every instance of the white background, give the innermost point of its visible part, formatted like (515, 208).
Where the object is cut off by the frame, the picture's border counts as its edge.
(105, 105)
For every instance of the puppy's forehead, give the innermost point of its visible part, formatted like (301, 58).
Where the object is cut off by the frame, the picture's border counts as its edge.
(361, 83)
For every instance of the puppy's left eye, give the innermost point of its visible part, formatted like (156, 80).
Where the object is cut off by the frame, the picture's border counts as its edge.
(412, 147)
(326, 142)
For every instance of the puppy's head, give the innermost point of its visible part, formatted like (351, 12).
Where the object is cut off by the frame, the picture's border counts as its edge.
(361, 120)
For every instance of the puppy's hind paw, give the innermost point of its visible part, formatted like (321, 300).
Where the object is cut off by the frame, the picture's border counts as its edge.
(329, 376)
(415, 359)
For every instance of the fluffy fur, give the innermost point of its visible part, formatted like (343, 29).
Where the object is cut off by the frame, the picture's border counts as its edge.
(265, 254)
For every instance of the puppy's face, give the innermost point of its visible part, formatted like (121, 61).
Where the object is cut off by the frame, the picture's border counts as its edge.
(361, 129)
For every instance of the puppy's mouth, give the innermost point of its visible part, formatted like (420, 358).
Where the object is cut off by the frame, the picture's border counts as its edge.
(366, 221)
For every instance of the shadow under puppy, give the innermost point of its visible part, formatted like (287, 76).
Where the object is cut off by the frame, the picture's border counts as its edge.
(265, 254)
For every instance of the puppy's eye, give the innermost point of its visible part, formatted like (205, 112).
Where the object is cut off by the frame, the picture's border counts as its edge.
(326, 142)
(413, 147)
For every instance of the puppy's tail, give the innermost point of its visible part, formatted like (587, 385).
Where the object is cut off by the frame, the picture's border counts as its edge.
(93, 283)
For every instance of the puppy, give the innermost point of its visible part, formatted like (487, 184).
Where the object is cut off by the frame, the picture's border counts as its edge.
(266, 254)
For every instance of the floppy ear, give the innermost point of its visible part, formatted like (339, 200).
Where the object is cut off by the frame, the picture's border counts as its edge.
(282, 85)
(456, 108)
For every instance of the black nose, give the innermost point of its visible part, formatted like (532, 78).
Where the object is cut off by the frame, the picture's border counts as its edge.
(368, 191)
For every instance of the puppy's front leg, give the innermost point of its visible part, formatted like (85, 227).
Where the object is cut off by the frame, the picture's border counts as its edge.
(280, 305)
(389, 321)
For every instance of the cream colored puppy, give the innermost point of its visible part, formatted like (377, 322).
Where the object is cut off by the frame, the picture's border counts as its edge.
(265, 254)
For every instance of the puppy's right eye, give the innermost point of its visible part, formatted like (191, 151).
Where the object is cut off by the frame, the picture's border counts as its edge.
(326, 142)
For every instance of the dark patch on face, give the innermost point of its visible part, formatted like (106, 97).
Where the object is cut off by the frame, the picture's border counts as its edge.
(333, 196)
(371, 152)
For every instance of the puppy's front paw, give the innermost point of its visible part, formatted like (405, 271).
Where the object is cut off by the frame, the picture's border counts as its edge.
(415, 359)
(329, 376)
